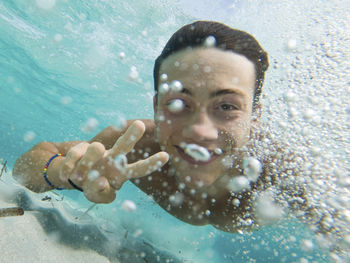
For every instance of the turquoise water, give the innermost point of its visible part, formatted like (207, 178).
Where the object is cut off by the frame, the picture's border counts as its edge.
(60, 67)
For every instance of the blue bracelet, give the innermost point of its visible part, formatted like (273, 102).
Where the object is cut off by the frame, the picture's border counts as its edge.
(45, 171)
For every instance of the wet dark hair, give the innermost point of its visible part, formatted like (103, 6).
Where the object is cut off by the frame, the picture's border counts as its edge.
(227, 38)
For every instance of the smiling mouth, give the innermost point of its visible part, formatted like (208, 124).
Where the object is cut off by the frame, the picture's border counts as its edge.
(191, 160)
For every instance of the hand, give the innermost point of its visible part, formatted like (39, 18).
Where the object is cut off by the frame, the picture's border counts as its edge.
(94, 169)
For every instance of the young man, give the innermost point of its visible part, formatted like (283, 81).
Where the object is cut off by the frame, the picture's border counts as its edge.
(208, 80)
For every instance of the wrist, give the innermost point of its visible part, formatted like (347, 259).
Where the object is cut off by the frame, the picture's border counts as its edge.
(51, 173)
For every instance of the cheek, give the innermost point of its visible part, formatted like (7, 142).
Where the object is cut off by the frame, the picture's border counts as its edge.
(164, 129)
(238, 132)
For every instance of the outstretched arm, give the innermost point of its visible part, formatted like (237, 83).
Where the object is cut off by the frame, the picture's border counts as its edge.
(80, 158)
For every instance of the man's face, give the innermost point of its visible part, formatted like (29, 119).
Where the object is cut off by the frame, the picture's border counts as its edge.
(212, 110)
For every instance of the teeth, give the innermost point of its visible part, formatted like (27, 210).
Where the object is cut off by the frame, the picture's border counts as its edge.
(197, 152)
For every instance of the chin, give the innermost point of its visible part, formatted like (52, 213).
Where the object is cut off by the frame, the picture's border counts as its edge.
(196, 179)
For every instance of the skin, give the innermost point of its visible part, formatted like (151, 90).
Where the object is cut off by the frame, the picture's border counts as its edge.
(218, 95)
(217, 112)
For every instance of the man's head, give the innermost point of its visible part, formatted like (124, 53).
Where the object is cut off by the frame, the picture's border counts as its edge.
(212, 105)
(226, 38)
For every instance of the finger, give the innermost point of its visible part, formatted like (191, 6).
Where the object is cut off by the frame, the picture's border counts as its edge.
(127, 141)
(71, 159)
(93, 154)
(98, 190)
(145, 167)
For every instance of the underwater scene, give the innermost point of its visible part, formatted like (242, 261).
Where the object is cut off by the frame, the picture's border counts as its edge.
(242, 152)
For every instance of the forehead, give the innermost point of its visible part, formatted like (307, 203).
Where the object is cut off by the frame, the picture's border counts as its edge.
(210, 67)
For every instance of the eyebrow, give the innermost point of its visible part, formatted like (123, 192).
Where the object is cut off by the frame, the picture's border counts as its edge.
(225, 92)
(216, 93)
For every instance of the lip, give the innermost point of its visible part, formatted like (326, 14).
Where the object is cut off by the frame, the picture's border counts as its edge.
(189, 159)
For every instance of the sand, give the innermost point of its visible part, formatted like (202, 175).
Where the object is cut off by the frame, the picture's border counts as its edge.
(40, 235)
(54, 230)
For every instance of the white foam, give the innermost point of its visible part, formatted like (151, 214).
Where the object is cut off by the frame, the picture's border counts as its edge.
(197, 152)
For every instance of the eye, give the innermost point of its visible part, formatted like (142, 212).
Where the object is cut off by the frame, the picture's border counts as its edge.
(227, 107)
(226, 110)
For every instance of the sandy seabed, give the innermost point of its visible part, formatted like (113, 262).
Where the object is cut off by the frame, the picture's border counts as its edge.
(54, 231)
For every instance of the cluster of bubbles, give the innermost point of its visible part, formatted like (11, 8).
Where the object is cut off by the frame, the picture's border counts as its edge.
(199, 153)
(238, 184)
(133, 74)
(175, 105)
(314, 126)
(252, 169)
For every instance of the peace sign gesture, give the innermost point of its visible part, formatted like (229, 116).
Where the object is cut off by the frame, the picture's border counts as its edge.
(100, 172)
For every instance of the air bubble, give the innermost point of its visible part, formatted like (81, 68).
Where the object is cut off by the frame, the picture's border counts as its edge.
(309, 114)
(129, 206)
(160, 118)
(89, 126)
(293, 112)
(236, 202)
(182, 186)
(93, 175)
(176, 105)
(121, 162)
(292, 44)
(120, 122)
(122, 55)
(45, 4)
(176, 86)
(210, 41)
(347, 239)
(137, 233)
(163, 88)
(163, 77)
(218, 151)
(207, 69)
(343, 179)
(252, 168)
(133, 74)
(58, 37)
(29, 136)
(290, 96)
(66, 100)
(266, 210)
(235, 80)
(315, 151)
(176, 199)
(307, 245)
(197, 152)
(228, 161)
(238, 184)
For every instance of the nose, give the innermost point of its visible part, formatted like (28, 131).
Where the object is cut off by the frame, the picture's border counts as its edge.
(200, 128)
